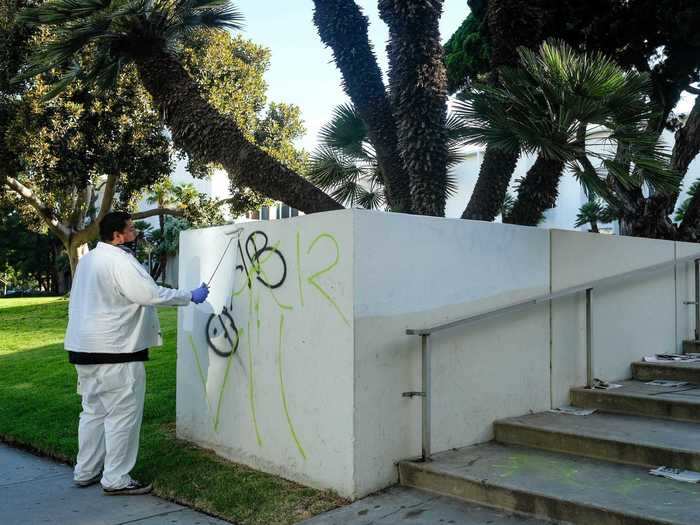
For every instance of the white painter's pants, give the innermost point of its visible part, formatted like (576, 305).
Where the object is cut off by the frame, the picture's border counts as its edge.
(110, 423)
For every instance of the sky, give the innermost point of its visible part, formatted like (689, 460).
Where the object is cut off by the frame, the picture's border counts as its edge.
(302, 70)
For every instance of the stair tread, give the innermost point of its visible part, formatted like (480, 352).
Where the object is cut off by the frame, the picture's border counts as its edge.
(399, 505)
(621, 489)
(673, 364)
(639, 430)
(689, 393)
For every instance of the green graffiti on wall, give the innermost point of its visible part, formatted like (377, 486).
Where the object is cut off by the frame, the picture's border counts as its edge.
(263, 265)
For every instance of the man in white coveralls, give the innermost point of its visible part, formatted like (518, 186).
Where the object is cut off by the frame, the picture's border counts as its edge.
(112, 322)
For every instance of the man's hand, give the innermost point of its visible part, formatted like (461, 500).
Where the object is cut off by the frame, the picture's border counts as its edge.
(199, 295)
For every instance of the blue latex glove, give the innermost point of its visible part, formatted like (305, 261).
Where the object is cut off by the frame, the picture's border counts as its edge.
(199, 295)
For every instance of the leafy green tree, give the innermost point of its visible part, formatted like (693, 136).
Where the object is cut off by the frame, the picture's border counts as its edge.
(467, 52)
(67, 156)
(230, 71)
(76, 153)
(95, 41)
(195, 209)
(27, 259)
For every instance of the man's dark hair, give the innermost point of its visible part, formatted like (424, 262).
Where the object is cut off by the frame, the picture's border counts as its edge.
(113, 222)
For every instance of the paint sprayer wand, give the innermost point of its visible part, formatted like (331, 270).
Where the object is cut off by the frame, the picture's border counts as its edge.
(237, 233)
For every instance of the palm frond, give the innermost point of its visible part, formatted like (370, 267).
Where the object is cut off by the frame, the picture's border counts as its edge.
(116, 30)
(372, 198)
(683, 207)
(345, 131)
(330, 168)
(222, 16)
(60, 12)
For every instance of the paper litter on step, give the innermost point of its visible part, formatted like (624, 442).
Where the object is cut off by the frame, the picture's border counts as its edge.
(666, 383)
(574, 411)
(599, 384)
(669, 358)
(676, 474)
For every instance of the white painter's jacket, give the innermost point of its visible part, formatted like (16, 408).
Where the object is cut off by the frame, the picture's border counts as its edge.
(112, 301)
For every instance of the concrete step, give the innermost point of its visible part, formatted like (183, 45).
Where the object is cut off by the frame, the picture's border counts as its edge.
(689, 372)
(636, 397)
(551, 485)
(691, 347)
(621, 438)
(399, 505)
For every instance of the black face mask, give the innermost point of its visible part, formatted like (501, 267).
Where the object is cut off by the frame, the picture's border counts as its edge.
(132, 246)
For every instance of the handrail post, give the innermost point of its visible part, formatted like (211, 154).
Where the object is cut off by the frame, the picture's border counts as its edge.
(697, 299)
(425, 407)
(589, 340)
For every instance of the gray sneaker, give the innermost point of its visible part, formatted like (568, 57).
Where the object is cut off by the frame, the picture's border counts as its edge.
(87, 482)
(134, 488)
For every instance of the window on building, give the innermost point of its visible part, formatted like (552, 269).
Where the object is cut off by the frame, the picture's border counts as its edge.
(294, 212)
(265, 213)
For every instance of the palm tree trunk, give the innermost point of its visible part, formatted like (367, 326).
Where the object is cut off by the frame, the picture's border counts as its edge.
(652, 219)
(208, 136)
(418, 83)
(511, 23)
(491, 185)
(537, 192)
(342, 27)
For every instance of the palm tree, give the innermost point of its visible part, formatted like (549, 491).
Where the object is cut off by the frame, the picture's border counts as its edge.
(342, 26)
(95, 40)
(418, 95)
(346, 165)
(511, 24)
(162, 194)
(593, 212)
(571, 110)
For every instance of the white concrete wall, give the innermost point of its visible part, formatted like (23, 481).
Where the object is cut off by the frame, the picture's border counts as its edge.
(286, 403)
(417, 271)
(629, 320)
(342, 422)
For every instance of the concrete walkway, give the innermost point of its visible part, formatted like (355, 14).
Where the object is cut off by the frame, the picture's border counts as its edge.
(36, 490)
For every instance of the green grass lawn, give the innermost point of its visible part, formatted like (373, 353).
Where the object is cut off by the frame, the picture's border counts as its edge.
(39, 410)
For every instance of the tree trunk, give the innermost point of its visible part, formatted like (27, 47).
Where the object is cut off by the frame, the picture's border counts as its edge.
(491, 185)
(537, 192)
(208, 136)
(342, 27)
(418, 84)
(511, 24)
(652, 217)
(75, 251)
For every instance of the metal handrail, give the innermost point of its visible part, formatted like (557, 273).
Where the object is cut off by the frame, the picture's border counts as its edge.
(425, 333)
